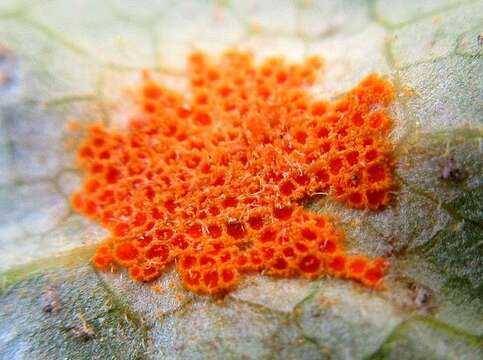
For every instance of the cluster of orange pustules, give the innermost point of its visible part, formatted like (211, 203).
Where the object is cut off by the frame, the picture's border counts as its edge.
(214, 181)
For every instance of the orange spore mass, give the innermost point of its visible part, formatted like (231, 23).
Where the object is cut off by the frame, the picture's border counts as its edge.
(214, 181)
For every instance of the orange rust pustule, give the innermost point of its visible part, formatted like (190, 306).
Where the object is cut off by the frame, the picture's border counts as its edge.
(214, 182)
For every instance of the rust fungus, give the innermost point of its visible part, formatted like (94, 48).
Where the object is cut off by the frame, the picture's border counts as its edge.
(213, 182)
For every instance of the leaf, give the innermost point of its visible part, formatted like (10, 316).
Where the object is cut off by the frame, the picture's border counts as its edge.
(443, 342)
(73, 60)
(79, 302)
(462, 238)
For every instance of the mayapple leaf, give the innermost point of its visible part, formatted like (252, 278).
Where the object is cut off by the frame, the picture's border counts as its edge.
(442, 342)
(462, 237)
(61, 61)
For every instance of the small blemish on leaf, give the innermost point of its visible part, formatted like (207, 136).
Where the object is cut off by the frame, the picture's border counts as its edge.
(8, 69)
(50, 301)
(422, 298)
(452, 171)
(327, 350)
(82, 329)
(157, 288)
(408, 91)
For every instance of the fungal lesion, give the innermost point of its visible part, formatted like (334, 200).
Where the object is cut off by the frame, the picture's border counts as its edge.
(194, 180)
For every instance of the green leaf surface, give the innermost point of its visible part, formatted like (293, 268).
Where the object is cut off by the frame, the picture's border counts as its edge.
(442, 342)
(64, 60)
